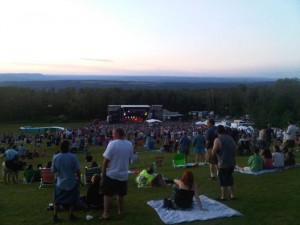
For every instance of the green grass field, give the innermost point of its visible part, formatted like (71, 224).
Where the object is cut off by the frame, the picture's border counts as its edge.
(265, 199)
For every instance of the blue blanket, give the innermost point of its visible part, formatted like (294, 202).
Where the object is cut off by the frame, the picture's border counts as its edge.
(267, 170)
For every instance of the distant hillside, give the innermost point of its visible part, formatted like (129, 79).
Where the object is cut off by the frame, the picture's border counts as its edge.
(40, 81)
(21, 77)
(78, 84)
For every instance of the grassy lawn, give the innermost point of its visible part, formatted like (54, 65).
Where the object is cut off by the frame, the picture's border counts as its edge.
(265, 199)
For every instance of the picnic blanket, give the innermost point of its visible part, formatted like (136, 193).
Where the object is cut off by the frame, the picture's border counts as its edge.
(215, 210)
(267, 170)
(195, 164)
(191, 165)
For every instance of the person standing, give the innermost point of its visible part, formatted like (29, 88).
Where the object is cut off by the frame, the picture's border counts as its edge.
(269, 135)
(210, 136)
(291, 134)
(10, 166)
(115, 171)
(67, 169)
(199, 146)
(22, 151)
(225, 148)
(262, 138)
(184, 145)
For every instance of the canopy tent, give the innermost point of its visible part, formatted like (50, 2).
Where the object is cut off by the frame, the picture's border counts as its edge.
(222, 123)
(153, 121)
(246, 129)
(200, 123)
(40, 130)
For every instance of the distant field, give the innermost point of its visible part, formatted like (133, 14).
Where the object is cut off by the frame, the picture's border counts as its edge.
(264, 199)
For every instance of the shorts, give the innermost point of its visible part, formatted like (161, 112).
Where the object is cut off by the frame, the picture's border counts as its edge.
(185, 152)
(66, 197)
(111, 187)
(211, 159)
(6, 171)
(290, 143)
(225, 176)
(199, 150)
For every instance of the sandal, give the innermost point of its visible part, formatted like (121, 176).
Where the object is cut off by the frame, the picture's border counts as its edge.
(104, 218)
(221, 199)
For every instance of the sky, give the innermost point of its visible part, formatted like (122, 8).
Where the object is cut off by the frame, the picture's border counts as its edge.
(150, 37)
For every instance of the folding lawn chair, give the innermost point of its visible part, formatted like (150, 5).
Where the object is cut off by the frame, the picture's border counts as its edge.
(159, 161)
(47, 178)
(179, 160)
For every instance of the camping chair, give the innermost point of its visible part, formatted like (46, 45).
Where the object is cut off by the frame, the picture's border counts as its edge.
(159, 161)
(88, 174)
(47, 178)
(179, 160)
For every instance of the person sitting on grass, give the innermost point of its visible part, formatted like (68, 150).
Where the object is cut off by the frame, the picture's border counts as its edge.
(185, 189)
(48, 164)
(88, 157)
(289, 159)
(278, 157)
(94, 199)
(94, 164)
(255, 162)
(267, 157)
(31, 175)
(147, 178)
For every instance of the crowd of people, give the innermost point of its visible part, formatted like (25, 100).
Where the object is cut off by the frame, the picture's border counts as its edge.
(215, 145)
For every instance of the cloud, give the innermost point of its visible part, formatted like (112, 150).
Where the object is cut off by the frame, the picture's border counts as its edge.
(98, 60)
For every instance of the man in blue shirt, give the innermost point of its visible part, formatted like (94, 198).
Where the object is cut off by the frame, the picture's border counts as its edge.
(67, 169)
(184, 145)
(10, 154)
(8, 167)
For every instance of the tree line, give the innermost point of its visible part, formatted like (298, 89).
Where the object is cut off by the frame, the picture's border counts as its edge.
(273, 104)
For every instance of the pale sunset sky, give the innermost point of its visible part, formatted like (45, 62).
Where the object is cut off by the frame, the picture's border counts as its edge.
(150, 37)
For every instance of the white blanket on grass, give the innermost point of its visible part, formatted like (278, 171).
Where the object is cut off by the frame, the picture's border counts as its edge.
(257, 173)
(192, 164)
(215, 210)
(267, 170)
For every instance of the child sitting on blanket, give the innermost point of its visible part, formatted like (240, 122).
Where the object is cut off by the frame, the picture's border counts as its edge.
(255, 162)
(183, 193)
(267, 156)
(278, 157)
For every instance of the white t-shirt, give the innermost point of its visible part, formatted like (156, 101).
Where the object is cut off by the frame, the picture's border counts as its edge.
(118, 152)
(278, 159)
(291, 132)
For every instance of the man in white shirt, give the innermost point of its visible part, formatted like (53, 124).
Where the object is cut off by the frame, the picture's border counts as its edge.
(291, 134)
(115, 171)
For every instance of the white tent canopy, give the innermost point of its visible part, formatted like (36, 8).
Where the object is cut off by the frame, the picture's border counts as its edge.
(200, 123)
(153, 121)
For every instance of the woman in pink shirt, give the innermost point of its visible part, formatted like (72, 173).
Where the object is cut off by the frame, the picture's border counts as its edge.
(267, 156)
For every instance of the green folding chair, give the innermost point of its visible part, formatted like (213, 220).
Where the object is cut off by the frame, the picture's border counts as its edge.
(179, 160)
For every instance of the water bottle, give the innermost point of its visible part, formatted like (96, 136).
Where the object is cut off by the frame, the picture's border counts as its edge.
(154, 166)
